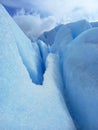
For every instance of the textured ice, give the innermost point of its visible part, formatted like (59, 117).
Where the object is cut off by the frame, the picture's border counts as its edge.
(94, 24)
(62, 38)
(49, 37)
(79, 70)
(76, 45)
(68, 32)
(28, 53)
(23, 104)
(81, 79)
(65, 61)
(79, 27)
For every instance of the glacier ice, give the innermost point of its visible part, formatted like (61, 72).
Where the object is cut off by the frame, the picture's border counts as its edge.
(23, 104)
(81, 79)
(68, 32)
(44, 50)
(49, 37)
(49, 83)
(94, 24)
(27, 50)
(76, 44)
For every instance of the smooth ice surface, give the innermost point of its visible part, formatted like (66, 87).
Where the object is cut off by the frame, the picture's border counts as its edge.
(24, 105)
(81, 79)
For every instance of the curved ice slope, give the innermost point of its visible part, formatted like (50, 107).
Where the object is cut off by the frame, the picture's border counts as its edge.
(81, 79)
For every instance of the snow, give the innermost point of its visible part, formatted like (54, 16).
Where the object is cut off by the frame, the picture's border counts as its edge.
(23, 104)
(81, 79)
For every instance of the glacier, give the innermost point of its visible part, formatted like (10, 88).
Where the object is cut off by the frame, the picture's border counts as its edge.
(24, 103)
(76, 45)
(49, 83)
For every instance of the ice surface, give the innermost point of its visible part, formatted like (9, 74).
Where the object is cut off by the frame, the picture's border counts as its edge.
(67, 70)
(81, 79)
(67, 33)
(24, 105)
(62, 38)
(44, 50)
(79, 27)
(94, 24)
(49, 37)
(28, 53)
